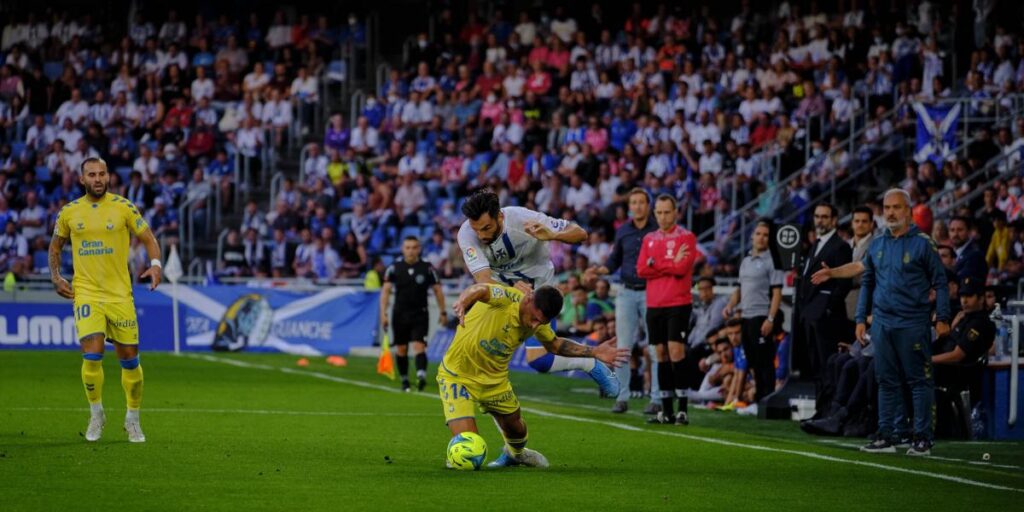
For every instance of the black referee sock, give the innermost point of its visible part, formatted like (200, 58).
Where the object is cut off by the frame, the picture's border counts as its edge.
(667, 384)
(680, 384)
(421, 364)
(403, 366)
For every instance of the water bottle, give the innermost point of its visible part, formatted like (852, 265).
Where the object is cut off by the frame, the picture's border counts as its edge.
(978, 418)
(1002, 349)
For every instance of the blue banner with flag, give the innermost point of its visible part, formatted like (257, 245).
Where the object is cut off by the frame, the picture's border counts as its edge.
(222, 318)
(936, 132)
(234, 318)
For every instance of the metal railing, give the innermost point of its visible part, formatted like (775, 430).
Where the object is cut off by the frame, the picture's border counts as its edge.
(355, 106)
(275, 186)
(208, 200)
(220, 243)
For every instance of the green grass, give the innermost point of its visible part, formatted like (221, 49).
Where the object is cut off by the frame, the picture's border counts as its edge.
(221, 436)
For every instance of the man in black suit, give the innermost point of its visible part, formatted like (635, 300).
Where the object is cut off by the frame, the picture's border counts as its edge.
(823, 306)
(970, 262)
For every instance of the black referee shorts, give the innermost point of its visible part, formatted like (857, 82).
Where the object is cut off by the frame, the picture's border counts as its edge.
(410, 328)
(667, 324)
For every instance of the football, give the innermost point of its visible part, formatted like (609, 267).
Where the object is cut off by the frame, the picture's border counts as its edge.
(467, 451)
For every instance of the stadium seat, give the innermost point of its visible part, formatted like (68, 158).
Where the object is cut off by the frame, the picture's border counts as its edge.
(336, 71)
(42, 173)
(53, 69)
(17, 148)
(409, 231)
(124, 172)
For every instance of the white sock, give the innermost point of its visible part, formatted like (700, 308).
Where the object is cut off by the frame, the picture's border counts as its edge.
(562, 364)
(421, 374)
(96, 408)
(132, 415)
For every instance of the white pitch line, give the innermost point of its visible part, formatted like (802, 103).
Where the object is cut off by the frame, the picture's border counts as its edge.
(633, 428)
(263, 412)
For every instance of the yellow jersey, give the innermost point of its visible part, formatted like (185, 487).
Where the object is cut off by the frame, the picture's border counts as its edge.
(99, 233)
(483, 347)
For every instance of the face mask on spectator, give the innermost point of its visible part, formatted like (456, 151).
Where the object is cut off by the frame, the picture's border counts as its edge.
(1014, 191)
(572, 150)
(816, 151)
(491, 98)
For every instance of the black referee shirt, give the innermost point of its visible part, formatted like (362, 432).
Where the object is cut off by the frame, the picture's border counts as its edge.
(411, 284)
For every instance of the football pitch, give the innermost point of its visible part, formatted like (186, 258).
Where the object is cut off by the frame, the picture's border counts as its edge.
(256, 432)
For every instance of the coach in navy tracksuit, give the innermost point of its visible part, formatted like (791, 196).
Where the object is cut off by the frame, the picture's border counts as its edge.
(901, 267)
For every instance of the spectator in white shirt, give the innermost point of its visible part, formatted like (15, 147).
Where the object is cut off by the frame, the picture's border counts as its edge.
(76, 109)
(277, 115)
(256, 80)
(202, 86)
(249, 138)
(417, 112)
(409, 198)
(69, 134)
(411, 162)
(146, 164)
(364, 137)
(172, 31)
(580, 195)
(710, 160)
(32, 217)
(526, 29)
(280, 32)
(172, 57)
(40, 135)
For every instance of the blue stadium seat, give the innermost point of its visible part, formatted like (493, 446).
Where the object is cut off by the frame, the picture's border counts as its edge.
(40, 262)
(345, 204)
(409, 231)
(42, 173)
(17, 148)
(53, 69)
(336, 71)
(124, 172)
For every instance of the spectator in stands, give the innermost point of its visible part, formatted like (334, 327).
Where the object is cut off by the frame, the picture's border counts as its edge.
(970, 261)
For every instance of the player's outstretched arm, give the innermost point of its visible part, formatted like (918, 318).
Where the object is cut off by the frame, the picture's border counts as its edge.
(848, 271)
(572, 234)
(606, 352)
(155, 271)
(60, 285)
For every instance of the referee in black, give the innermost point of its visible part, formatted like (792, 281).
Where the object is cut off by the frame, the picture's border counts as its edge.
(412, 278)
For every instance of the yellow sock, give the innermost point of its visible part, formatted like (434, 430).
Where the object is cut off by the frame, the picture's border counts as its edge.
(131, 381)
(92, 377)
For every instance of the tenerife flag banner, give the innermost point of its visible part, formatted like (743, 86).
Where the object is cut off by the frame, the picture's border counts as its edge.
(936, 132)
(234, 318)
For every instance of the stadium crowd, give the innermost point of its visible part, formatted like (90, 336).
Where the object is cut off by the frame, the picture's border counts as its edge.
(561, 112)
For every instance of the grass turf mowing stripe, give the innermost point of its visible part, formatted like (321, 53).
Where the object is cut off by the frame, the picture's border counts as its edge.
(264, 412)
(623, 426)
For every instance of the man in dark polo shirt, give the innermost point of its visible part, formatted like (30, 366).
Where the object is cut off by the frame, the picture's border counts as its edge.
(631, 301)
(412, 279)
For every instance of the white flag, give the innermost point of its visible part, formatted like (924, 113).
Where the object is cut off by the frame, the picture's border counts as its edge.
(172, 271)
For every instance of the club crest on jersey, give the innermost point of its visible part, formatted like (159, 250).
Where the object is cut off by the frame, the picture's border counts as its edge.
(138, 223)
(410, 271)
(110, 225)
(81, 226)
(671, 244)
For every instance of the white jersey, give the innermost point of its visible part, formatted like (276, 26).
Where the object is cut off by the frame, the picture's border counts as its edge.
(514, 255)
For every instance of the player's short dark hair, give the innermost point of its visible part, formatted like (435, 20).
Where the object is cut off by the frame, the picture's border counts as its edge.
(91, 160)
(946, 247)
(481, 202)
(411, 238)
(733, 322)
(766, 222)
(967, 222)
(549, 301)
(865, 210)
(669, 198)
(720, 341)
(639, 191)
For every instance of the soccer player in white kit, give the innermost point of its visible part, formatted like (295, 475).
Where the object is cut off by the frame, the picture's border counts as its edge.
(508, 246)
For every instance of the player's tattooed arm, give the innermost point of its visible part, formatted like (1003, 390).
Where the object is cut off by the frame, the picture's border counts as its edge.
(569, 348)
(607, 352)
(60, 285)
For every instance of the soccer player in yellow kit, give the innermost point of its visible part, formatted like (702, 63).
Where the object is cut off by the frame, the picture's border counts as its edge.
(494, 321)
(99, 225)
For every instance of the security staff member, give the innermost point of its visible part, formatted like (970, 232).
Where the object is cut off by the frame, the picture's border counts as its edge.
(759, 297)
(631, 300)
(412, 278)
(960, 357)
